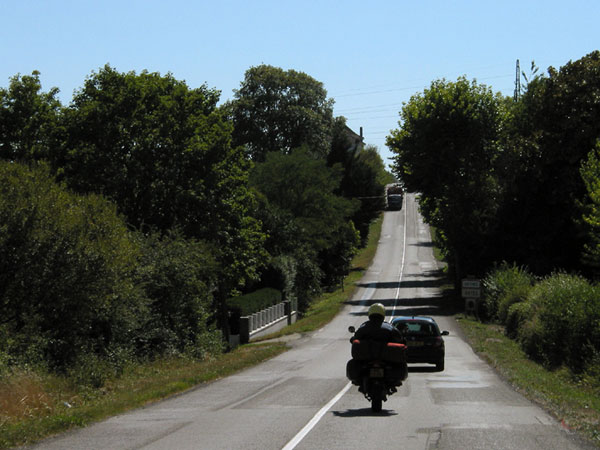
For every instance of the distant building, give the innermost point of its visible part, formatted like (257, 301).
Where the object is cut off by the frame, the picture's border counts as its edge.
(356, 140)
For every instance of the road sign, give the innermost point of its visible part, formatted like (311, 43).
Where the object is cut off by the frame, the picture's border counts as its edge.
(471, 288)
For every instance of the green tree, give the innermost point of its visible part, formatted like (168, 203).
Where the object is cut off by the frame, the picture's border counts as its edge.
(590, 173)
(277, 110)
(303, 189)
(551, 131)
(364, 177)
(304, 218)
(445, 149)
(28, 119)
(162, 152)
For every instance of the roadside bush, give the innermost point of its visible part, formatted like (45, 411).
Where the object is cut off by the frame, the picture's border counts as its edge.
(569, 321)
(517, 294)
(503, 287)
(518, 314)
(529, 336)
(179, 276)
(66, 272)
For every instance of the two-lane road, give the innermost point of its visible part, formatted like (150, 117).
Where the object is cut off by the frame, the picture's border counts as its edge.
(301, 399)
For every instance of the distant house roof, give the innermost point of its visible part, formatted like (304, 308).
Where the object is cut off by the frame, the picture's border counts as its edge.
(356, 139)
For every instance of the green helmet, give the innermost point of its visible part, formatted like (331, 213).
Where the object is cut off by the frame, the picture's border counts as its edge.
(377, 309)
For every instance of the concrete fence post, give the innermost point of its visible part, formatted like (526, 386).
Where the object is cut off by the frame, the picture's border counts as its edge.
(287, 307)
(245, 330)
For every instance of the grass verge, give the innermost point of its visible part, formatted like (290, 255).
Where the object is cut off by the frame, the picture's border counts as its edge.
(34, 405)
(573, 402)
(61, 405)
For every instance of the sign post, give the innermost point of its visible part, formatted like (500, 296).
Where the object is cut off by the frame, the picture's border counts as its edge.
(471, 292)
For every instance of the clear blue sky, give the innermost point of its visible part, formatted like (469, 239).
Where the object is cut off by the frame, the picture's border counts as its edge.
(371, 55)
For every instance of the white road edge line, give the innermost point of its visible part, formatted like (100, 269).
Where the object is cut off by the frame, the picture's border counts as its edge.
(310, 425)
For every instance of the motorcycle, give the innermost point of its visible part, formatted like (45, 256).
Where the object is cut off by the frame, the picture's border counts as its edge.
(377, 368)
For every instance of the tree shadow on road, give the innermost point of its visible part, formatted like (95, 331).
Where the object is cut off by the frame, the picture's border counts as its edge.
(424, 306)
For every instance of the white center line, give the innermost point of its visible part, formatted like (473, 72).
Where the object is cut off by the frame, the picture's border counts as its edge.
(401, 269)
(319, 415)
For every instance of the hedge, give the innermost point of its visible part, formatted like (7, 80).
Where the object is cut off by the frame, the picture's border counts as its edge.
(254, 301)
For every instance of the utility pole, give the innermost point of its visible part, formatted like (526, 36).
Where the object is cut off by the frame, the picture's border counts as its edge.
(518, 82)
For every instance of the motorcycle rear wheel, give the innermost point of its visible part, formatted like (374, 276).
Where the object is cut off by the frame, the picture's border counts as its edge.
(376, 402)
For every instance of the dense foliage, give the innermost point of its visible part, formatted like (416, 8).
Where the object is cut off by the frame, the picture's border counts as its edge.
(590, 173)
(445, 150)
(549, 133)
(305, 220)
(128, 218)
(67, 272)
(28, 119)
(277, 110)
(179, 277)
(501, 179)
(556, 319)
(80, 292)
(309, 171)
(517, 181)
(364, 176)
(162, 152)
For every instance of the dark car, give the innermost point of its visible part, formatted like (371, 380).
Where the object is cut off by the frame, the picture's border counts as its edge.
(423, 340)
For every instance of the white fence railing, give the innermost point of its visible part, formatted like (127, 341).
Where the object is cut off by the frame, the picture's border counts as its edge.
(267, 321)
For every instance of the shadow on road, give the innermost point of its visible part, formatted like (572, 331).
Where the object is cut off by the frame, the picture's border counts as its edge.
(423, 244)
(441, 303)
(423, 306)
(365, 412)
(422, 369)
(434, 283)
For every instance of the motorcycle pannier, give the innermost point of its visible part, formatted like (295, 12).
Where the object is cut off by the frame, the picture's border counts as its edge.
(366, 350)
(353, 370)
(393, 352)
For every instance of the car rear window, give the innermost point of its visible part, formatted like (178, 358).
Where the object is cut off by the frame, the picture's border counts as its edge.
(419, 328)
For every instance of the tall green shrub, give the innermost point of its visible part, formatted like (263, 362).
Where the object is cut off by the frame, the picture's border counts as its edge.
(66, 266)
(179, 277)
(568, 317)
(504, 286)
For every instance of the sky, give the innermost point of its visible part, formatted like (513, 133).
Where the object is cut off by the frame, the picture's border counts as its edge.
(371, 56)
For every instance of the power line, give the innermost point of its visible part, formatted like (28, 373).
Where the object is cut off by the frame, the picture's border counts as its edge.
(351, 92)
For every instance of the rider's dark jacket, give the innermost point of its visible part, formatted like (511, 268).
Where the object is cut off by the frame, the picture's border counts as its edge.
(378, 330)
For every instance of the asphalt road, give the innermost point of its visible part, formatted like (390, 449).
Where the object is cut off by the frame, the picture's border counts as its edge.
(301, 399)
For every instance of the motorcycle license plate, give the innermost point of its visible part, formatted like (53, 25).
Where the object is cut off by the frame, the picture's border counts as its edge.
(376, 372)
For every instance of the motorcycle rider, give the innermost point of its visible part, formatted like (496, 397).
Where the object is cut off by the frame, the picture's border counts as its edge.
(377, 329)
